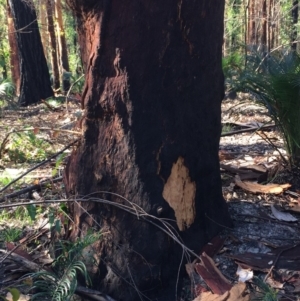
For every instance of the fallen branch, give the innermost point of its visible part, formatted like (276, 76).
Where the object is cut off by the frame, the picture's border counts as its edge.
(252, 129)
(51, 108)
(268, 140)
(30, 188)
(277, 258)
(38, 165)
(70, 89)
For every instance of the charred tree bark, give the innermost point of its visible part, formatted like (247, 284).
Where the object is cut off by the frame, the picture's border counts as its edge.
(35, 79)
(13, 53)
(152, 100)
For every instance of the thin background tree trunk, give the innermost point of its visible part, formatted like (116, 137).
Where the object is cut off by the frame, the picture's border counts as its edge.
(61, 36)
(13, 53)
(295, 10)
(54, 48)
(63, 51)
(43, 27)
(264, 25)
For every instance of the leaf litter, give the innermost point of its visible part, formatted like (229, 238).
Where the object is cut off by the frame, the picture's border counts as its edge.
(258, 256)
(29, 136)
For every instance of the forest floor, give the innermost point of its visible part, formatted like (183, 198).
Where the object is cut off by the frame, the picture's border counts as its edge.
(261, 189)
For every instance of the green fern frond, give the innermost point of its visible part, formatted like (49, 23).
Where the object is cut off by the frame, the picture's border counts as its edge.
(6, 88)
(264, 291)
(61, 284)
(274, 81)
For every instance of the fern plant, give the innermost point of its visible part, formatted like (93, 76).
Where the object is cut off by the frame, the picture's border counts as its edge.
(6, 88)
(10, 234)
(60, 285)
(274, 81)
(264, 291)
(6, 94)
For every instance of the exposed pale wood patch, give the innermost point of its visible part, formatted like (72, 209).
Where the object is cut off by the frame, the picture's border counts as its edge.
(179, 191)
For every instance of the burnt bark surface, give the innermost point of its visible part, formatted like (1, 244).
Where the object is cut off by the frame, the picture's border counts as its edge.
(35, 80)
(152, 100)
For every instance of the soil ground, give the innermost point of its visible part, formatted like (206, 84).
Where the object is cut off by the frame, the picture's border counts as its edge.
(257, 232)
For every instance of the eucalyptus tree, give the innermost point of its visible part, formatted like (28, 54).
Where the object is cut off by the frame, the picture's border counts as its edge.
(54, 45)
(13, 53)
(151, 129)
(62, 49)
(35, 80)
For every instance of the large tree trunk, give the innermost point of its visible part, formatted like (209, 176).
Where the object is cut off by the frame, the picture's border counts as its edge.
(35, 79)
(152, 99)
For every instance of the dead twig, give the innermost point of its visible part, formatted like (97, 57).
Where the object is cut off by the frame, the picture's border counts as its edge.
(267, 139)
(30, 188)
(51, 108)
(277, 258)
(4, 142)
(252, 129)
(21, 242)
(38, 165)
(69, 91)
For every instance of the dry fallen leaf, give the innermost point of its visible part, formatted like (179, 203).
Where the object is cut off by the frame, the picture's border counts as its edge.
(224, 155)
(208, 296)
(22, 297)
(212, 276)
(36, 131)
(283, 216)
(237, 293)
(258, 188)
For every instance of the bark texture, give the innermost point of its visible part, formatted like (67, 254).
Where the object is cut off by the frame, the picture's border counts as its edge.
(152, 123)
(44, 28)
(13, 53)
(35, 79)
(54, 48)
(63, 51)
(295, 13)
(62, 37)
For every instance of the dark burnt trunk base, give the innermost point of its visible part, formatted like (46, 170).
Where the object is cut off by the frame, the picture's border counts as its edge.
(152, 124)
(35, 80)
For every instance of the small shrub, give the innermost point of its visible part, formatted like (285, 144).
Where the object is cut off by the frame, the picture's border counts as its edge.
(10, 234)
(61, 284)
(274, 81)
